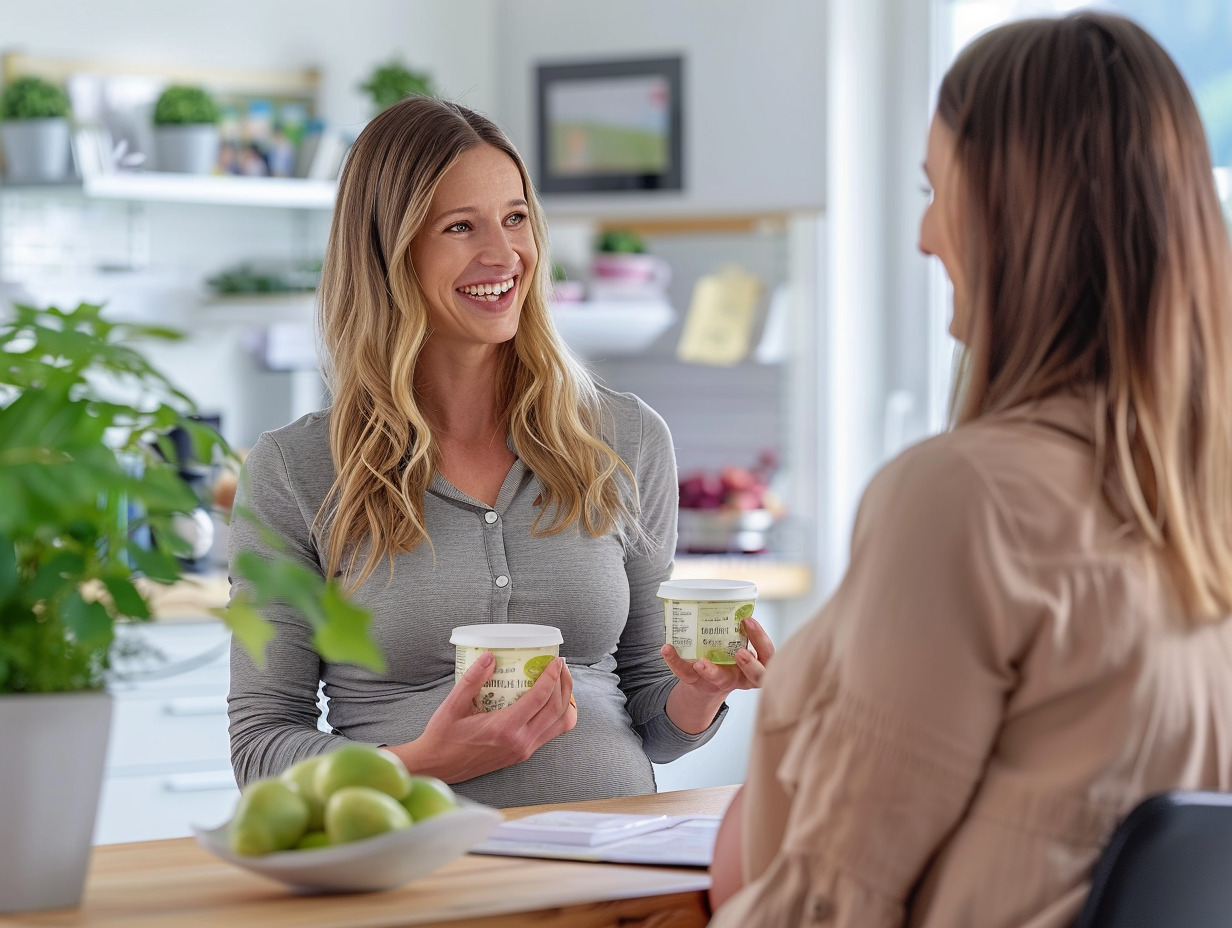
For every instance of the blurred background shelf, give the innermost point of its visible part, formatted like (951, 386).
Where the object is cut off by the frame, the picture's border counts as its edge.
(223, 190)
(613, 326)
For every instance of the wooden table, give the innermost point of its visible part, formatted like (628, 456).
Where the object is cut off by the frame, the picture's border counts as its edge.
(177, 884)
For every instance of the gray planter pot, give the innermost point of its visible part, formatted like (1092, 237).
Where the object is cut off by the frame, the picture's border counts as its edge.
(186, 149)
(35, 150)
(51, 769)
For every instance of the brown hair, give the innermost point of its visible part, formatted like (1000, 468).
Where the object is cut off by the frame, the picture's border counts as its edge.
(1097, 258)
(374, 323)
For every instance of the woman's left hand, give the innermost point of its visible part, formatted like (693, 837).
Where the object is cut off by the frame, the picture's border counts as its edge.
(703, 685)
(745, 674)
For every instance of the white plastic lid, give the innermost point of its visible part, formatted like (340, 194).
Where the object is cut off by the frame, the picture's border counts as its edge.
(506, 635)
(718, 591)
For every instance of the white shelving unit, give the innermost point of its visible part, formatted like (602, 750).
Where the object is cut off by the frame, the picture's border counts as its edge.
(217, 189)
(223, 190)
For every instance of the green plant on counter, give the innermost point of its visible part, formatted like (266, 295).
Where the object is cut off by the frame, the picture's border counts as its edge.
(33, 98)
(388, 83)
(180, 105)
(620, 241)
(300, 277)
(85, 467)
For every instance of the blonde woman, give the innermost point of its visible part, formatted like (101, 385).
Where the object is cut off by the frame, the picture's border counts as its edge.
(469, 471)
(1032, 634)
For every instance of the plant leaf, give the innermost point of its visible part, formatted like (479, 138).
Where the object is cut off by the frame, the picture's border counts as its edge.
(8, 568)
(128, 601)
(343, 637)
(246, 623)
(89, 622)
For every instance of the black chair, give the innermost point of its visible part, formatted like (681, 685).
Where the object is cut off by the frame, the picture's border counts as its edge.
(1168, 865)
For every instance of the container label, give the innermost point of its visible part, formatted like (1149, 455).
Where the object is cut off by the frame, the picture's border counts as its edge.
(713, 630)
(516, 671)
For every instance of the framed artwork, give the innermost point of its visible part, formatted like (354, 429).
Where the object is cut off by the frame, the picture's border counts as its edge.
(611, 125)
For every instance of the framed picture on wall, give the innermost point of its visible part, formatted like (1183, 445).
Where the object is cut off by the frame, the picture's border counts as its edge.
(611, 125)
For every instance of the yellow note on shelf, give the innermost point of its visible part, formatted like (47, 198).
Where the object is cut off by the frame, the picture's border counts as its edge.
(719, 326)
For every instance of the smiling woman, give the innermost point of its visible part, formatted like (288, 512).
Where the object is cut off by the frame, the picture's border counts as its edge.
(468, 453)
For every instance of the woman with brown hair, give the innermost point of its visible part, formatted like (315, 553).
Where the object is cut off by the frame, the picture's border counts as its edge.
(468, 471)
(1032, 633)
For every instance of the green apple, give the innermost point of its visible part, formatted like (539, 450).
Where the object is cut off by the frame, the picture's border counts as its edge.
(270, 816)
(312, 840)
(361, 765)
(357, 812)
(303, 776)
(428, 797)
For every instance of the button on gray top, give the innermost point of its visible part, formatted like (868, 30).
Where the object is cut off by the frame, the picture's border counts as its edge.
(502, 581)
(490, 517)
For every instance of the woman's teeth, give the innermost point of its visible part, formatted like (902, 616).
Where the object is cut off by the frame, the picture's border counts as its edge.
(490, 292)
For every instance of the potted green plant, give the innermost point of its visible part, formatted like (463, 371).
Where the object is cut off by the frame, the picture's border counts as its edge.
(622, 268)
(186, 137)
(86, 469)
(34, 130)
(393, 81)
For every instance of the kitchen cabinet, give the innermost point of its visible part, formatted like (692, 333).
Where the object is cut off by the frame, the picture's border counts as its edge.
(168, 760)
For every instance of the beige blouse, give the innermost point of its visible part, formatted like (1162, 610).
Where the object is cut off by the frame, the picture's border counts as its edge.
(1003, 672)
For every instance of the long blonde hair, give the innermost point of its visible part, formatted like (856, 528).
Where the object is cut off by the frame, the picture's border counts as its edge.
(1097, 259)
(374, 324)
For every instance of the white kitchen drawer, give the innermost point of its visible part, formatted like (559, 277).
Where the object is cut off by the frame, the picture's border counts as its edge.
(165, 805)
(169, 728)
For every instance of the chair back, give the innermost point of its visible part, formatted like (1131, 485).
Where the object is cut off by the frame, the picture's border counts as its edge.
(1168, 865)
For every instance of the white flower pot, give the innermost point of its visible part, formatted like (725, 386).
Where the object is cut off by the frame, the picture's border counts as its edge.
(186, 149)
(51, 774)
(35, 150)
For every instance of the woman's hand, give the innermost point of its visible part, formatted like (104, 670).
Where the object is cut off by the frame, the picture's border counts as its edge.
(702, 686)
(461, 742)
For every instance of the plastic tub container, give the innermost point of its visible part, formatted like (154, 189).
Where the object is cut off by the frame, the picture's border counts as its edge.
(521, 651)
(704, 618)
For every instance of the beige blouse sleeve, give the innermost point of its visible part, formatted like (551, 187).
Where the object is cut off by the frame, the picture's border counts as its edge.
(877, 719)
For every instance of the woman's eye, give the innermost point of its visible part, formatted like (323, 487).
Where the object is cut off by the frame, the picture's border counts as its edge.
(516, 219)
(459, 227)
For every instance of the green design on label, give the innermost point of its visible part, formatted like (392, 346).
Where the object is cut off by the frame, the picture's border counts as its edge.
(535, 666)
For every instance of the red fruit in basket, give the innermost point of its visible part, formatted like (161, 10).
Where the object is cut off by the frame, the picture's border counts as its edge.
(737, 479)
(692, 489)
(746, 499)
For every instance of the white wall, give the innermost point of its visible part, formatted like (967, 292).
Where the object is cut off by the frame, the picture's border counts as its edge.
(754, 92)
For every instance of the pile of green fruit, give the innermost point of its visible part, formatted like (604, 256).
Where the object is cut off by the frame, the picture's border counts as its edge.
(351, 793)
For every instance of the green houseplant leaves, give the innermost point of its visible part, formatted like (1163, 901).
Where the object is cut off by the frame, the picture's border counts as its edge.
(33, 98)
(393, 81)
(81, 413)
(181, 105)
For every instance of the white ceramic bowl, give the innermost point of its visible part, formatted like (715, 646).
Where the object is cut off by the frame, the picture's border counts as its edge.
(383, 862)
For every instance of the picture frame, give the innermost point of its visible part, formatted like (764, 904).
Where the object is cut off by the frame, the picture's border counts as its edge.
(611, 125)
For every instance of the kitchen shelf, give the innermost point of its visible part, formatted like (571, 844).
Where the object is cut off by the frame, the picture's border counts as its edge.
(224, 190)
(215, 189)
(611, 327)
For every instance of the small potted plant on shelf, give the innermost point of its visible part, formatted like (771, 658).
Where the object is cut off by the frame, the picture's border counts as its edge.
(90, 495)
(621, 266)
(186, 137)
(34, 131)
(393, 81)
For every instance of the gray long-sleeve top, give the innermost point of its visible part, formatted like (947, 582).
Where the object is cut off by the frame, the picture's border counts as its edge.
(487, 568)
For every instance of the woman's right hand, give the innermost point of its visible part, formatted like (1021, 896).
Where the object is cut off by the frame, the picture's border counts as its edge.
(461, 742)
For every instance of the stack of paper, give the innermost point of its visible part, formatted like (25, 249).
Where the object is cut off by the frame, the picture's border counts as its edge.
(663, 840)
